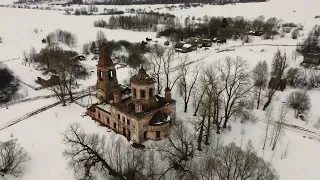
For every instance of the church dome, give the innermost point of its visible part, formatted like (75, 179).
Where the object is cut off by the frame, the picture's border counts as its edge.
(142, 77)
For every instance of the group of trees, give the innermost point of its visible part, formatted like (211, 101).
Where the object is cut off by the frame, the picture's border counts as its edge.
(135, 51)
(9, 84)
(89, 154)
(63, 64)
(140, 22)
(311, 43)
(223, 91)
(225, 27)
(61, 36)
(298, 77)
(12, 158)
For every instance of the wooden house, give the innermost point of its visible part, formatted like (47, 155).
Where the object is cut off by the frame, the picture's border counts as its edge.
(311, 59)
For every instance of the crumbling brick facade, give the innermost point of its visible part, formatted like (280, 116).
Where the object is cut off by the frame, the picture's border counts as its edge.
(138, 114)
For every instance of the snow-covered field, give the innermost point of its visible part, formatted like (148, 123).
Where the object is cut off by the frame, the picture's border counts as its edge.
(41, 135)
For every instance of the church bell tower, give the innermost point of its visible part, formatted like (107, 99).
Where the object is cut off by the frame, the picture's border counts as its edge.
(106, 77)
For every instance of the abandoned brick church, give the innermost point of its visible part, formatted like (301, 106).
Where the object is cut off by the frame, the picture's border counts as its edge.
(136, 112)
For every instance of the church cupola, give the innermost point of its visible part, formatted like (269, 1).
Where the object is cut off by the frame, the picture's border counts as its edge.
(106, 76)
(142, 86)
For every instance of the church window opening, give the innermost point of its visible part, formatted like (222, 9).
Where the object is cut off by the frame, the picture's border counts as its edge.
(100, 75)
(111, 75)
(134, 92)
(142, 94)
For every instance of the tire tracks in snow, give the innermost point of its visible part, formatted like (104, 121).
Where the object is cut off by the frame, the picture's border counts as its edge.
(307, 133)
(35, 112)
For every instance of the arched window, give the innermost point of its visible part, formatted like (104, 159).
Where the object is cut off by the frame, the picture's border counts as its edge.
(134, 92)
(142, 94)
(111, 75)
(150, 92)
(100, 74)
(131, 106)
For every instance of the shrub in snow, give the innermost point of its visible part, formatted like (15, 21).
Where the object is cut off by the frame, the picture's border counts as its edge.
(36, 30)
(289, 25)
(299, 101)
(77, 12)
(0, 40)
(317, 16)
(294, 76)
(295, 33)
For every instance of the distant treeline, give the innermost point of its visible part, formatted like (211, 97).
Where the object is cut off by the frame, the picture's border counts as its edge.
(129, 2)
(139, 22)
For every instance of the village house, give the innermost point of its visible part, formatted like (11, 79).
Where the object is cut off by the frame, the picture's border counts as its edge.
(136, 111)
(183, 47)
(311, 59)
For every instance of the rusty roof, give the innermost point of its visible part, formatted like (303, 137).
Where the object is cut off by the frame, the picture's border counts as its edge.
(142, 77)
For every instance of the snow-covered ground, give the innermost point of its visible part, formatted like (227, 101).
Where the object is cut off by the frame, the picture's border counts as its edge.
(41, 136)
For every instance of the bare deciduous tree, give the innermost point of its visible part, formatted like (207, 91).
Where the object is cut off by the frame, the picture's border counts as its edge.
(101, 39)
(231, 162)
(185, 86)
(299, 101)
(179, 151)
(237, 85)
(86, 48)
(51, 38)
(66, 70)
(32, 54)
(279, 64)
(168, 59)
(12, 158)
(157, 60)
(260, 77)
(90, 152)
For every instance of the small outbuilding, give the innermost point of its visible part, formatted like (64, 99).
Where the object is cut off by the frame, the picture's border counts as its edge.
(311, 59)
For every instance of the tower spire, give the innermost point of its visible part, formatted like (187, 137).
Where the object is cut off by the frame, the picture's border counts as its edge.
(104, 58)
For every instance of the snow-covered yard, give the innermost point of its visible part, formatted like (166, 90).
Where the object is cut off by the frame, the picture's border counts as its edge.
(41, 135)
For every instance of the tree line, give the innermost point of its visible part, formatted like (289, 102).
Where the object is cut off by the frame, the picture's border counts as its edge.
(130, 2)
(223, 27)
(139, 22)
